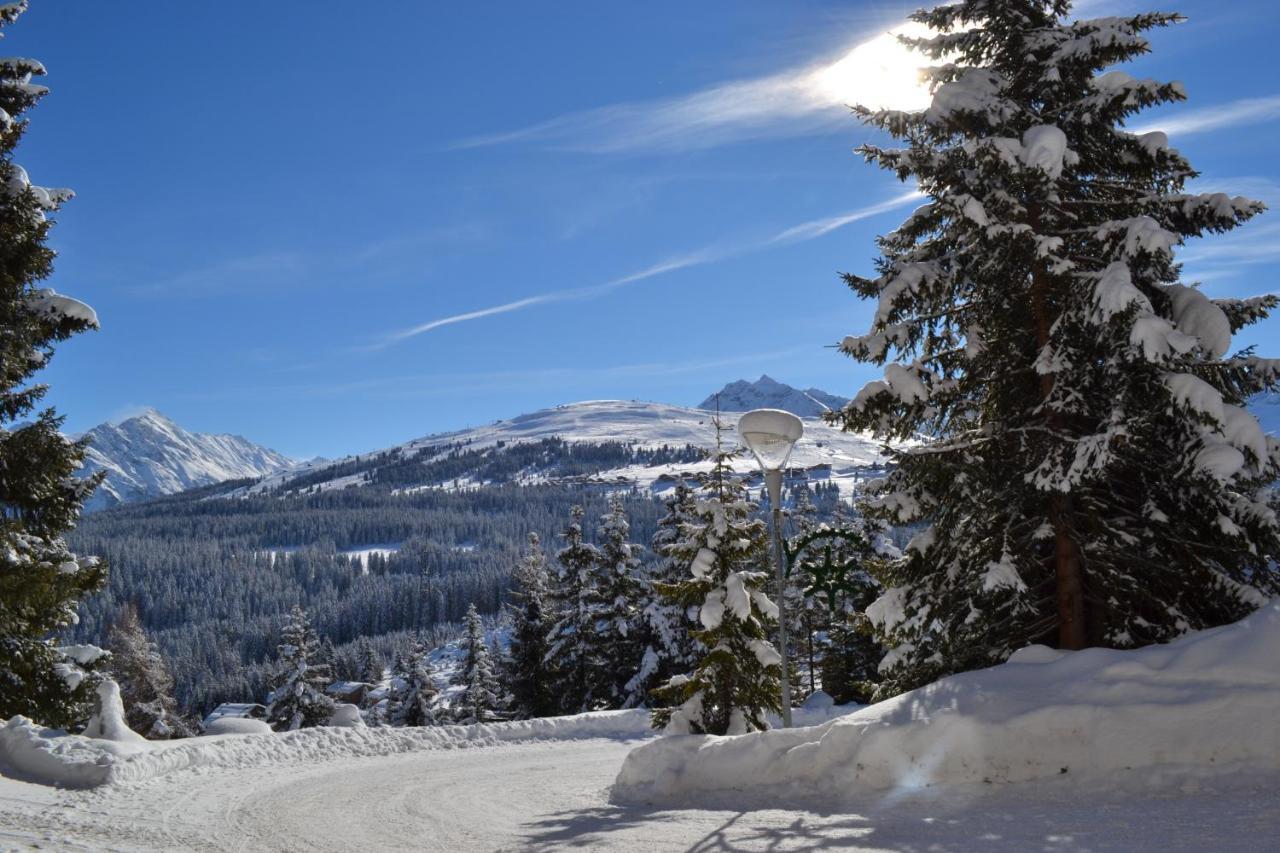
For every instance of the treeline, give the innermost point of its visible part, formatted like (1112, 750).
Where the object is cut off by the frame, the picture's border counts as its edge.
(213, 577)
(498, 464)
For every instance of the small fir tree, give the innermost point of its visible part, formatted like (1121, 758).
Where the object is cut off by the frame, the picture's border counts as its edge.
(670, 647)
(529, 676)
(726, 548)
(482, 699)
(616, 624)
(297, 698)
(369, 663)
(41, 581)
(146, 686)
(808, 617)
(1092, 476)
(413, 691)
(571, 648)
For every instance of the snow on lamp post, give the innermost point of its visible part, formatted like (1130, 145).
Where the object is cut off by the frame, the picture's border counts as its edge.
(771, 435)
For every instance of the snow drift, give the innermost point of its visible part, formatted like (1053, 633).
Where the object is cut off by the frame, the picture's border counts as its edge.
(52, 757)
(1205, 704)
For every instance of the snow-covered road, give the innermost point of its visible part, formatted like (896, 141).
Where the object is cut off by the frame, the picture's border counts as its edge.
(554, 795)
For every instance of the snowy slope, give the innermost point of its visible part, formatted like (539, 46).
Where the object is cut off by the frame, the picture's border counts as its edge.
(1200, 707)
(825, 452)
(768, 393)
(150, 456)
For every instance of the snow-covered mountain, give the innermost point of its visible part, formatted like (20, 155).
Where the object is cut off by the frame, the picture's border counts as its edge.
(149, 456)
(648, 445)
(768, 393)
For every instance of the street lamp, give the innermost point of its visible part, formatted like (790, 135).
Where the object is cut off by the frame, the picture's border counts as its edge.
(771, 435)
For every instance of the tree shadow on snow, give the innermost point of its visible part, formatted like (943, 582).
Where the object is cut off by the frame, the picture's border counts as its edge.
(1053, 817)
(606, 826)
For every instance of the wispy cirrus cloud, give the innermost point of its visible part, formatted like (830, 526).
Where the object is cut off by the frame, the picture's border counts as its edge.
(1230, 114)
(877, 72)
(1233, 254)
(717, 252)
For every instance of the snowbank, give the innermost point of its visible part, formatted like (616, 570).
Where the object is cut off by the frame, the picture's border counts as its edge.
(236, 726)
(55, 758)
(1206, 704)
(51, 756)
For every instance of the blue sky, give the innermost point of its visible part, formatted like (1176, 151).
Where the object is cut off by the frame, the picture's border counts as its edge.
(279, 203)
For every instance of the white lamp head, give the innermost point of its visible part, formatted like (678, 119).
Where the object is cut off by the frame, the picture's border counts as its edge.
(770, 434)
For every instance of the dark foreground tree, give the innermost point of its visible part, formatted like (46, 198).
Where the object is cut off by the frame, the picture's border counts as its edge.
(1092, 477)
(41, 581)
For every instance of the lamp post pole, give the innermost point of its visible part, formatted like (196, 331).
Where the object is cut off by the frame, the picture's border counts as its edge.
(771, 434)
(773, 480)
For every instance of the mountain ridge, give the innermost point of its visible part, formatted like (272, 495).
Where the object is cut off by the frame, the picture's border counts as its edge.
(768, 393)
(149, 456)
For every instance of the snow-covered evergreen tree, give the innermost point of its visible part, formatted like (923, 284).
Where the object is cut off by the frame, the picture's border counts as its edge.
(617, 628)
(725, 549)
(1092, 477)
(297, 697)
(146, 685)
(482, 699)
(40, 579)
(528, 675)
(809, 618)
(369, 664)
(670, 648)
(413, 692)
(570, 638)
(327, 655)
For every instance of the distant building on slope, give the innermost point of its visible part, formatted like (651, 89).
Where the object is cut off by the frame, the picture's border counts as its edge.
(236, 710)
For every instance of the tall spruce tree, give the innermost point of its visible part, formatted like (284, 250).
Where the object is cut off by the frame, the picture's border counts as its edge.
(482, 699)
(369, 665)
(297, 697)
(726, 553)
(146, 686)
(1092, 476)
(528, 675)
(670, 647)
(571, 645)
(40, 579)
(615, 606)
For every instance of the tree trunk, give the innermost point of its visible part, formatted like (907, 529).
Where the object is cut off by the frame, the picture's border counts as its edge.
(1068, 570)
(1067, 573)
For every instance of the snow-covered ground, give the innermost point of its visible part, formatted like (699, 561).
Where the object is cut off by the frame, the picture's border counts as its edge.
(1171, 747)
(1193, 710)
(549, 795)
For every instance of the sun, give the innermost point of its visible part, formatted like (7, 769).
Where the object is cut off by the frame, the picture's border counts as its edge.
(880, 73)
